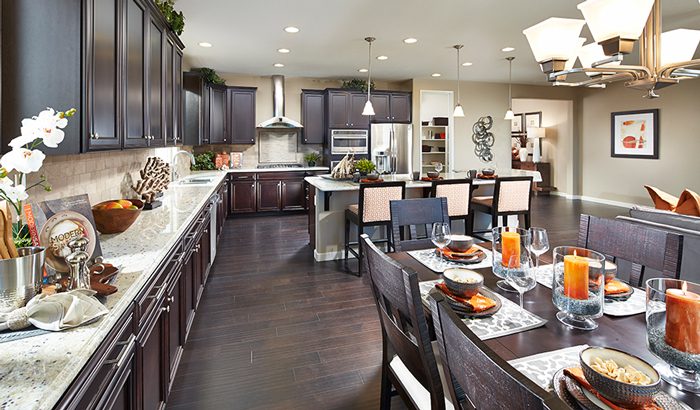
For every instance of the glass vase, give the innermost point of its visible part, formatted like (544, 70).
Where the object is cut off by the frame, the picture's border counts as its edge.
(509, 241)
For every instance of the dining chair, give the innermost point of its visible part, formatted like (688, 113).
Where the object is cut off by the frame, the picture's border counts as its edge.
(641, 247)
(511, 196)
(408, 359)
(410, 214)
(475, 370)
(372, 209)
(459, 197)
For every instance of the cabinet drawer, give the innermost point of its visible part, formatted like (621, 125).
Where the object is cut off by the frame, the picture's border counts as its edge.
(278, 176)
(152, 293)
(242, 177)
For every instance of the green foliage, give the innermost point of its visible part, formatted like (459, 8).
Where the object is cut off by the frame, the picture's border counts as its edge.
(204, 161)
(175, 19)
(20, 235)
(365, 166)
(210, 76)
(356, 84)
(312, 157)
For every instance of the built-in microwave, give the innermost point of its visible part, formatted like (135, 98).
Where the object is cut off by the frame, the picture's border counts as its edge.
(349, 142)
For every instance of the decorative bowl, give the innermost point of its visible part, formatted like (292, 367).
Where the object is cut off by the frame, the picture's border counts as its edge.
(489, 172)
(460, 243)
(115, 220)
(619, 392)
(433, 174)
(463, 282)
(372, 176)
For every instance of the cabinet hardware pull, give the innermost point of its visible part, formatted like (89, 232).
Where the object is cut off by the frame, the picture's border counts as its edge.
(165, 309)
(171, 299)
(161, 291)
(96, 136)
(123, 354)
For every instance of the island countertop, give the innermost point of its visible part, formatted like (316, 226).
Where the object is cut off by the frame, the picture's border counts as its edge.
(36, 371)
(281, 169)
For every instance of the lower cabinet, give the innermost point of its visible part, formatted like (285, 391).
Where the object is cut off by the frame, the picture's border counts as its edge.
(268, 192)
(152, 370)
(268, 195)
(293, 195)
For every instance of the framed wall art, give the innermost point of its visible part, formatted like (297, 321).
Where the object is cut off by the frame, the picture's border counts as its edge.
(635, 134)
(532, 120)
(516, 124)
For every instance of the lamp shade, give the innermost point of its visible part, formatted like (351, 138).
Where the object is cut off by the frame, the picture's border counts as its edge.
(509, 115)
(369, 109)
(616, 18)
(679, 45)
(459, 111)
(535, 132)
(574, 54)
(554, 38)
(592, 53)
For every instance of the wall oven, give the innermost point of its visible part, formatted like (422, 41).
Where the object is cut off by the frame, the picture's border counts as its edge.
(349, 142)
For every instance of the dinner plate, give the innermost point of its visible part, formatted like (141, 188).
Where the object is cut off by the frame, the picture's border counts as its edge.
(462, 310)
(621, 297)
(478, 257)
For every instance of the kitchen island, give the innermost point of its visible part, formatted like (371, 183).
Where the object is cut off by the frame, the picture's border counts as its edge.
(331, 198)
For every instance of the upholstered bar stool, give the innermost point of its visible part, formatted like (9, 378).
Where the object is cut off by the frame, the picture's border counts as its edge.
(372, 210)
(459, 195)
(511, 196)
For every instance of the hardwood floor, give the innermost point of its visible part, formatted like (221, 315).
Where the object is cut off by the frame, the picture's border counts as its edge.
(275, 330)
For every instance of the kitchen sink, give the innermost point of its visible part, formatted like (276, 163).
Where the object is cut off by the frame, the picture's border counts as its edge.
(196, 181)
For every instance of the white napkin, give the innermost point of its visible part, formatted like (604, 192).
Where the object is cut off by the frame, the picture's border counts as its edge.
(55, 312)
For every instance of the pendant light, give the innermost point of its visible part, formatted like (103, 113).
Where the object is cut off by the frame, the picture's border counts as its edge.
(459, 111)
(509, 113)
(369, 109)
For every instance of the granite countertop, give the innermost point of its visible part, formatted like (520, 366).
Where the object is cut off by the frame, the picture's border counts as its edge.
(287, 169)
(328, 185)
(35, 372)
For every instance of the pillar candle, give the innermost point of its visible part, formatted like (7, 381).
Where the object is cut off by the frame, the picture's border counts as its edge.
(510, 246)
(576, 277)
(683, 320)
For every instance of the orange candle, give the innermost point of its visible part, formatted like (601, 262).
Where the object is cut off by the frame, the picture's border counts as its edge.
(576, 277)
(510, 242)
(683, 320)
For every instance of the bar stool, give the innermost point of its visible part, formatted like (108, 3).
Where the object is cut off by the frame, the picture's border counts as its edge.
(372, 210)
(511, 196)
(459, 195)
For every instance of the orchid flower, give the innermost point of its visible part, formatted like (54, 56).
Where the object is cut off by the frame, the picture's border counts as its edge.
(23, 160)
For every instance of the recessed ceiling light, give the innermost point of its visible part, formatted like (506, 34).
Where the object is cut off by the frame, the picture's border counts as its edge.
(435, 74)
(410, 40)
(283, 50)
(507, 49)
(291, 29)
(205, 44)
(278, 65)
(362, 70)
(382, 58)
(467, 64)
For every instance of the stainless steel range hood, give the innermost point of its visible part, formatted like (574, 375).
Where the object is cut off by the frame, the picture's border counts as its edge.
(279, 120)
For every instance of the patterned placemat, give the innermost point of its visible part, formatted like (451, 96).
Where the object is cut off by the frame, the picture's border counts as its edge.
(435, 263)
(9, 336)
(635, 305)
(508, 320)
(540, 368)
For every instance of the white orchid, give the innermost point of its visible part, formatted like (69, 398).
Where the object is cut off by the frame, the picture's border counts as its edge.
(45, 126)
(23, 160)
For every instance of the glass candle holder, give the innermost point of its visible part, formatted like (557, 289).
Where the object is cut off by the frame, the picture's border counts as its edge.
(578, 286)
(509, 242)
(673, 330)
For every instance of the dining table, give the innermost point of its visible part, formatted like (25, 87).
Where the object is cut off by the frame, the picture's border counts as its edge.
(626, 333)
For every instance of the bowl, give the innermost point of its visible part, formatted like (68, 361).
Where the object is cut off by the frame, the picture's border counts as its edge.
(115, 220)
(463, 282)
(433, 174)
(460, 243)
(622, 393)
(372, 177)
(489, 172)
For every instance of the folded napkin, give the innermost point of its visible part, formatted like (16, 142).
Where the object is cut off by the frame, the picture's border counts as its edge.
(55, 312)
(576, 373)
(615, 287)
(478, 303)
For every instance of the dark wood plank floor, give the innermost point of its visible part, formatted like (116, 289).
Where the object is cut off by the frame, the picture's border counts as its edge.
(275, 330)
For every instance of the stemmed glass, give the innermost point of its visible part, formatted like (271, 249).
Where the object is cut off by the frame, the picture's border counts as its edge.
(441, 236)
(539, 243)
(521, 278)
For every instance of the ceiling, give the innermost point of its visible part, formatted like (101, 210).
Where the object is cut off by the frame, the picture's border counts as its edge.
(246, 35)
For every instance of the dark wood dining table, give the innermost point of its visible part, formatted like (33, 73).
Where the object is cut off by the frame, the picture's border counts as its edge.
(625, 333)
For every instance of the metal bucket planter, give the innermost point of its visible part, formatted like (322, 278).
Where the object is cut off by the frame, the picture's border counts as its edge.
(20, 278)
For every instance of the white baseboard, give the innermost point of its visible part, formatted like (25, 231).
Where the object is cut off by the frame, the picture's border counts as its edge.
(594, 199)
(330, 256)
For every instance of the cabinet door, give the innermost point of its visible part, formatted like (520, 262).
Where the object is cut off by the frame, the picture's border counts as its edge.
(169, 91)
(188, 295)
(152, 362)
(135, 74)
(357, 104)
(338, 107)
(242, 197)
(401, 107)
(205, 249)
(175, 309)
(155, 85)
(178, 93)
(312, 114)
(269, 195)
(217, 115)
(382, 111)
(293, 196)
(242, 116)
(103, 90)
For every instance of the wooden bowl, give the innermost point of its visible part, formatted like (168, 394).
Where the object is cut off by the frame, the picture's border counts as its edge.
(110, 221)
(463, 282)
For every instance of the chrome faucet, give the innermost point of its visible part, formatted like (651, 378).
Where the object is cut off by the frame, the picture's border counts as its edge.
(174, 176)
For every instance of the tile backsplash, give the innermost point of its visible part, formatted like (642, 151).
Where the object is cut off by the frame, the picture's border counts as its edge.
(274, 152)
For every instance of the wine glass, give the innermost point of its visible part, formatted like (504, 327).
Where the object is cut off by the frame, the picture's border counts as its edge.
(522, 278)
(539, 243)
(441, 235)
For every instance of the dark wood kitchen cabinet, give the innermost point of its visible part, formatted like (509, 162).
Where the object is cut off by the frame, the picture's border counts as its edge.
(156, 87)
(135, 75)
(357, 105)
(391, 107)
(175, 310)
(269, 195)
(382, 107)
(345, 109)
(401, 107)
(242, 196)
(241, 115)
(313, 105)
(268, 192)
(215, 114)
(172, 121)
(293, 195)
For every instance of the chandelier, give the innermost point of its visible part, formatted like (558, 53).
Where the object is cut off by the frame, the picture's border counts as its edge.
(616, 25)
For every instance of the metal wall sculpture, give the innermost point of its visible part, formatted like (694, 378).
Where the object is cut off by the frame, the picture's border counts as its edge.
(483, 138)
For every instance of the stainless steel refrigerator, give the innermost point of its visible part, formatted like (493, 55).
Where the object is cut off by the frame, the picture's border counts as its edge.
(392, 148)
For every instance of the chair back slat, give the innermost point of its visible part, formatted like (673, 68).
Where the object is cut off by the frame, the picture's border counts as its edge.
(411, 213)
(375, 197)
(458, 193)
(644, 247)
(488, 381)
(512, 194)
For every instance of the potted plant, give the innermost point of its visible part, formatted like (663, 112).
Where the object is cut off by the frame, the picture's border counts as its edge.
(365, 166)
(312, 158)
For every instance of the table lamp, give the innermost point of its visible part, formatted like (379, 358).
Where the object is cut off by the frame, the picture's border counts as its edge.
(535, 134)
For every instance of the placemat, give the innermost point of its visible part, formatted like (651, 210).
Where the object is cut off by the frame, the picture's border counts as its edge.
(635, 305)
(540, 368)
(435, 263)
(9, 336)
(508, 320)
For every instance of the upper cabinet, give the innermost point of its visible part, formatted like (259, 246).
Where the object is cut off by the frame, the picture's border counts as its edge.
(115, 61)
(313, 104)
(345, 109)
(216, 115)
(382, 107)
(391, 107)
(241, 124)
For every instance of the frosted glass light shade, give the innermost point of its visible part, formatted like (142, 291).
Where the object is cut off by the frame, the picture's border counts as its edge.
(574, 54)
(369, 109)
(554, 38)
(679, 45)
(459, 111)
(616, 18)
(509, 115)
(592, 53)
